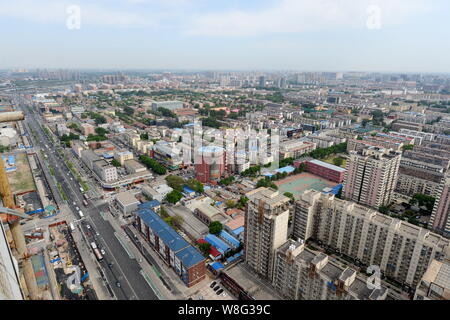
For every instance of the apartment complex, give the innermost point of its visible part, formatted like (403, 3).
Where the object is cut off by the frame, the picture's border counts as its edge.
(402, 251)
(266, 227)
(303, 274)
(295, 148)
(440, 218)
(371, 176)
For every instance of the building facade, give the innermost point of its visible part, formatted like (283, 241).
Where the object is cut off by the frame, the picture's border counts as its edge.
(402, 250)
(371, 176)
(303, 274)
(265, 229)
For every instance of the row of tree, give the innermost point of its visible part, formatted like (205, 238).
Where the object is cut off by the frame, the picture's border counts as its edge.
(153, 164)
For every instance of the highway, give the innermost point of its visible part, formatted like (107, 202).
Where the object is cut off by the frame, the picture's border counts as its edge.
(121, 271)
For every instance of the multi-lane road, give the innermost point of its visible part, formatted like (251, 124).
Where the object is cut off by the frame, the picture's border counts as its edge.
(121, 271)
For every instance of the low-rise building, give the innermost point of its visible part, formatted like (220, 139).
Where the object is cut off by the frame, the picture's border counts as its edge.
(127, 202)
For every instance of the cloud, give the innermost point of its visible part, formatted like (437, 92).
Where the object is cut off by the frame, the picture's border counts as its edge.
(55, 12)
(296, 16)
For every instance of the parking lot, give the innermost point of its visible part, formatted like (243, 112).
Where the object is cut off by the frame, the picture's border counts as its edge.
(208, 293)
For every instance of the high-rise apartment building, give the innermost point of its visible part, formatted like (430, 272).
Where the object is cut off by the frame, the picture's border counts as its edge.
(371, 176)
(303, 274)
(266, 227)
(402, 250)
(440, 218)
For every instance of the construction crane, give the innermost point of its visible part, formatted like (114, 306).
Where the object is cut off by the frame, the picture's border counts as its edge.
(15, 230)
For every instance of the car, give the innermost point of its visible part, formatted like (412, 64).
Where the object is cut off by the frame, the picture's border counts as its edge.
(88, 226)
(118, 284)
(74, 203)
(212, 284)
(77, 208)
(216, 288)
(102, 251)
(219, 292)
(110, 265)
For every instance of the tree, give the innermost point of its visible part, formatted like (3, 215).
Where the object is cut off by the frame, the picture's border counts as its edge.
(144, 136)
(338, 161)
(195, 185)
(175, 182)
(289, 195)
(384, 210)
(408, 147)
(174, 196)
(116, 163)
(153, 164)
(204, 248)
(101, 131)
(128, 110)
(230, 203)
(215, 227)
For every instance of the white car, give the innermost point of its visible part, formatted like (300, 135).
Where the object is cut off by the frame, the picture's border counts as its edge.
(102, 251)
(88, 226)
(77, 208)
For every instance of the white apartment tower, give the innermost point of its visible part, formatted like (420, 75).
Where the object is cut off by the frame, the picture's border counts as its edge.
(402, 250)
(303, 274)
(371, 176)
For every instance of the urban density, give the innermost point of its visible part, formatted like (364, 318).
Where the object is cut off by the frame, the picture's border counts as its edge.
(221, 184)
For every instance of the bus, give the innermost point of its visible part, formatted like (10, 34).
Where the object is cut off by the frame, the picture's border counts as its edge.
(98, 255)
(81, 214)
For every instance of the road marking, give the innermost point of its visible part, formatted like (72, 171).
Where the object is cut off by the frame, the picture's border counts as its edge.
(124, 245)
(150, 283)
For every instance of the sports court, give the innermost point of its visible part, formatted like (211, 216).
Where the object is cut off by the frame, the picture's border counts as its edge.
(301, 182)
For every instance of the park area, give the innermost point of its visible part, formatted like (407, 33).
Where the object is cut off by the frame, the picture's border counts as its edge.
(298, 183)
(21, 180)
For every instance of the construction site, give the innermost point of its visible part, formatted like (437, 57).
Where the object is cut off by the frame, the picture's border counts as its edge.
(36, 263)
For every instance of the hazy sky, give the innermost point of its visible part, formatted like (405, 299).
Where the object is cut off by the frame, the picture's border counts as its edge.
(334, 35)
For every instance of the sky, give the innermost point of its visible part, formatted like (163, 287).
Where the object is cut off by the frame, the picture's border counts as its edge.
(291, 35)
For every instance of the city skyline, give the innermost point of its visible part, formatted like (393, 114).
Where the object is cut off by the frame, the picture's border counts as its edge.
(370, 36)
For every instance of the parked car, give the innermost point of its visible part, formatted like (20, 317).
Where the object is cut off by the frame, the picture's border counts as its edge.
(213, 284)
(216, 288)
(219, 292)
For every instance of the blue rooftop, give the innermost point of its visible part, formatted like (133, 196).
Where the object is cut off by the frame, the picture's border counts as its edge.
(229, 239)
(189, 257)
(218, 243)
(188, 190)
(149, 205)
(287, 169)
(169, 236)
(238, 231)
(216, 266)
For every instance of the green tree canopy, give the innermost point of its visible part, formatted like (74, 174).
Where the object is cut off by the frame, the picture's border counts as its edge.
(215, 227)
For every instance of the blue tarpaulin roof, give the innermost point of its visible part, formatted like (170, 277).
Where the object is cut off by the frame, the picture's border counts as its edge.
(238, 231)
(287, 169)
(188, 190)
(216, 265)
(229, 239)
(149, 204)
(216, 242)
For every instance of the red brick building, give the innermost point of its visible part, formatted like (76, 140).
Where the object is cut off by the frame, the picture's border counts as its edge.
(326, 170)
